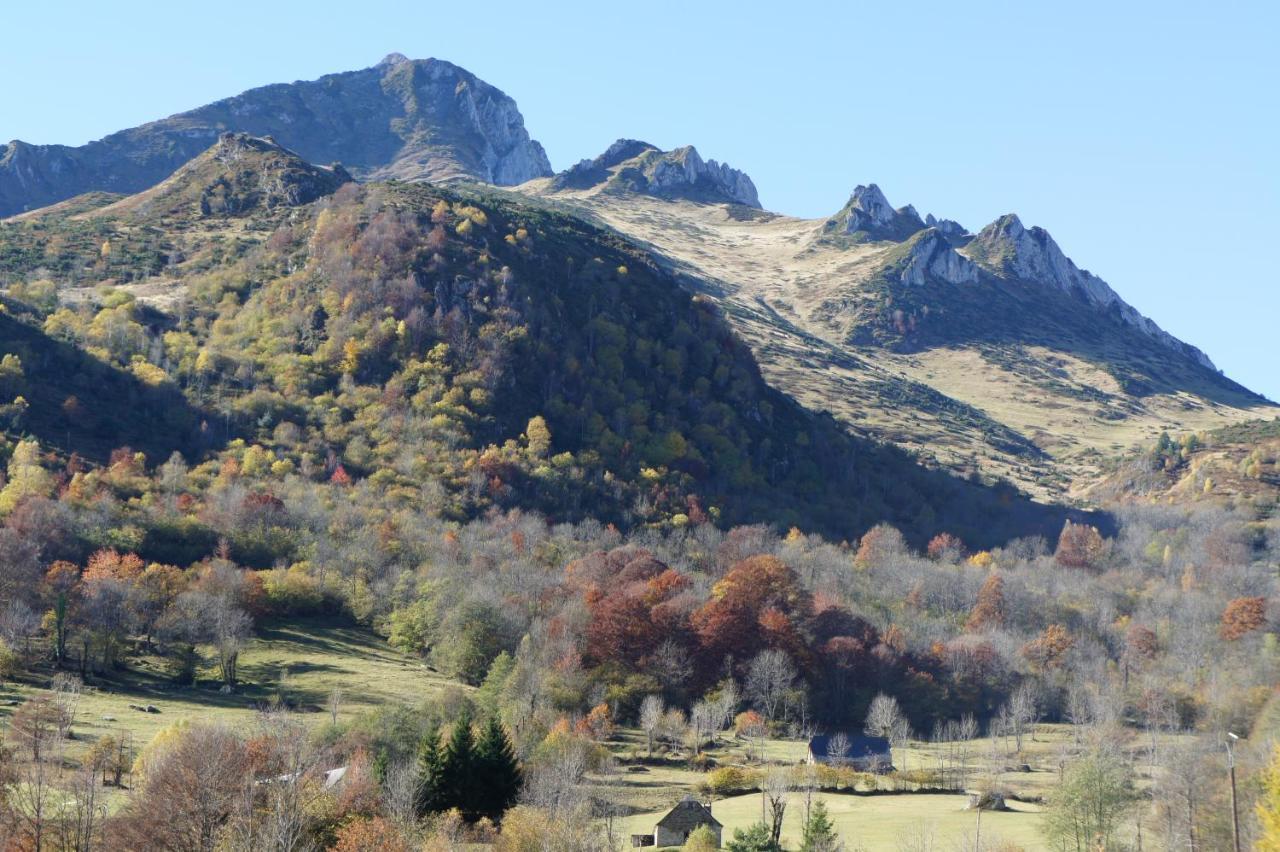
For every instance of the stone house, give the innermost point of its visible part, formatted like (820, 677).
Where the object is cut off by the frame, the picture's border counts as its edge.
(674, 828)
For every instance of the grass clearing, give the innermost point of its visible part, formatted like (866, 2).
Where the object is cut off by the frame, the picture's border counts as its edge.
(301, 661)
(880, 822)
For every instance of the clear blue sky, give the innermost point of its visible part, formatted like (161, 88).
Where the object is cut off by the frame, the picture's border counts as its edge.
(1142, 135)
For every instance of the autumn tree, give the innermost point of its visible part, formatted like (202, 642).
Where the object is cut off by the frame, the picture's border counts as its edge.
(1242, 616)
(370, 834)
(1049, 649)
(191, 787)
(1268, 807)
(760, 591)
(989, 612)
(945, 547)
(1080, 546)
(1088, 806)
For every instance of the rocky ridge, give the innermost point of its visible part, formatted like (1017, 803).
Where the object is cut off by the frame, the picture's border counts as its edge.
(1010, 250)
(407, 119)
(634, 166)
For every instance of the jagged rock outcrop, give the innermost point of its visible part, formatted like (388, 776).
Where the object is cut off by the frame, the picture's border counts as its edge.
(1030, 255)
(868, 214)
(408, 119)
(955, 233)
(239, 174)
(930, 256)
(634, 166)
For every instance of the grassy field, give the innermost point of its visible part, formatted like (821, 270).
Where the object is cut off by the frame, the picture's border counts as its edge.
(302, 662)
(886, 822)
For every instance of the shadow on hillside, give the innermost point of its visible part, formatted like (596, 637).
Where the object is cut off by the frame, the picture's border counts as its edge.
(1009, 316)
(81, 404)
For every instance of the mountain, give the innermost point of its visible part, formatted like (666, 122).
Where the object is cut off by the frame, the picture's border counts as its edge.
(484, 351)
(407, 119)
(988, 353)
(238, 175)
(868, 216)
(1013, 252)
(632, 166)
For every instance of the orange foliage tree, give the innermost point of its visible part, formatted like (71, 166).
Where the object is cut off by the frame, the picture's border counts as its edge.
(989, 611)
(1049, 649)
(1242, 616)
(1080, 546)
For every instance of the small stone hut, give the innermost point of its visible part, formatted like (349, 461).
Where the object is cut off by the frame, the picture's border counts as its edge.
(674, 828)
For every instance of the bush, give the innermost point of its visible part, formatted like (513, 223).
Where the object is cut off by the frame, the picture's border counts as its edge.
(10, 661)
(731, 780)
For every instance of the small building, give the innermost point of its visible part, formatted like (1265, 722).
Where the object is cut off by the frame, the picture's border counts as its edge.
(862, 752)
(674, 828)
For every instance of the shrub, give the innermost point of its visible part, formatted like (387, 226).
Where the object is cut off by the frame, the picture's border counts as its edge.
(731, 780)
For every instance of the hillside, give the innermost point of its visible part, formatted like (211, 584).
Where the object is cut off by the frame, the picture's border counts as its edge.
(421, 335)
(1239, 463)
(988, 352)
(402, 118)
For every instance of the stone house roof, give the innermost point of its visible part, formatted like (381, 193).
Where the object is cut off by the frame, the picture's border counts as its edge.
(687, 816)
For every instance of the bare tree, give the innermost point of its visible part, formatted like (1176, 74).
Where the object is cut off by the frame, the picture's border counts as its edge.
(229, 627)
(702, 719)
(36, 728)
(769, 677)
(838, 748)
(727, 702)
(400, 792)
(777, 785)
(276, 814)
(882, 716)
(66, 690)
(335, 705)
(1022, 712)
(651, 715)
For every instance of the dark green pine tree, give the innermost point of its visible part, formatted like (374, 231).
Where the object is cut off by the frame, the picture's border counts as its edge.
(431, 794)
(819, 833)
(458, 785)
(497, 771)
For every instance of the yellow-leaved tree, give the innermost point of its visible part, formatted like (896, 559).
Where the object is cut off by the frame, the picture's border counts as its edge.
(26, 477)
(1269, 807)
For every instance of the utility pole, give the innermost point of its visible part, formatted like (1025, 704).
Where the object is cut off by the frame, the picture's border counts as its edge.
(1235, 815)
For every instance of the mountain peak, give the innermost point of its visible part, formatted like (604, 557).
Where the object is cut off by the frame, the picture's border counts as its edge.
(1013, 251)
(407, 119)
(239, 174)
(868, 214)
(633, 166)
(392, 59)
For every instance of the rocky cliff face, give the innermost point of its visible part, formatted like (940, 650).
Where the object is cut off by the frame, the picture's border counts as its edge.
(931, 256)
(634, 166)
(425, 119)
(1030, 255)
(868, 215)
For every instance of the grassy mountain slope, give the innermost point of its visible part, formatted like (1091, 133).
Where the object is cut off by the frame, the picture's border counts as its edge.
(1238, 463)
(485, 351)
(990, 373)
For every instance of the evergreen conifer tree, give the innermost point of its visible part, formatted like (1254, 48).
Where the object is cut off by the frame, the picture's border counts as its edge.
(497, 771)
(819, 833)
(430, 796)
(458, 785)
